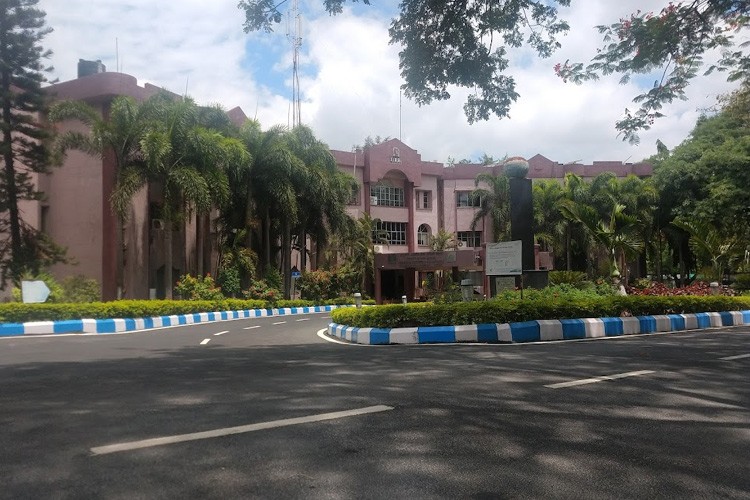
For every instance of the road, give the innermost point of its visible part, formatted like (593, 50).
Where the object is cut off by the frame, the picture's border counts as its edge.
(266, 409)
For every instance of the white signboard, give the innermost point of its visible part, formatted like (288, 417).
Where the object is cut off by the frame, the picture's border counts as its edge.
(34, 291)
(503, 258)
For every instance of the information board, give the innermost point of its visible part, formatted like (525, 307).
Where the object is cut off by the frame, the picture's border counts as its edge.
(503, 258)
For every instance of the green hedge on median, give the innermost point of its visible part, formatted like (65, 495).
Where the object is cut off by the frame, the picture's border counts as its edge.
(14, 312)
(508, 311)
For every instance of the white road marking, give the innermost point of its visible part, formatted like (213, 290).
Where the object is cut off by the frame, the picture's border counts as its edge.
(322, 335)
(304, 319)
(181, 438)
(279, 323)
(205, 341)
(739, 356)
(221, 333)
(251, 327)
(594, 380)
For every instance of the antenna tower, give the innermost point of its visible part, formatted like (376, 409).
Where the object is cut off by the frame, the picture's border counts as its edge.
(294, 34)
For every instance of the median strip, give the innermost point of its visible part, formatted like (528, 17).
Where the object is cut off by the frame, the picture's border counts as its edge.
(181, 438)
(594, 380)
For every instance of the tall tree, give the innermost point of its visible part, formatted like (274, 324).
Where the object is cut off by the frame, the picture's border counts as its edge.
(494, 202)
(464, 44)
(24, 139)
(119, 135)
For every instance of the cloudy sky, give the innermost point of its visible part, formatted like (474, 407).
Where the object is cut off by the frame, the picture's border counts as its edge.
(350, 78)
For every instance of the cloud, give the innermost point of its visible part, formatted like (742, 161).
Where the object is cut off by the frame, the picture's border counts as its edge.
(350, 78)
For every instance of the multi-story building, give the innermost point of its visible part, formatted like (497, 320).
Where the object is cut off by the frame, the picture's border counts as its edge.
(412, 198)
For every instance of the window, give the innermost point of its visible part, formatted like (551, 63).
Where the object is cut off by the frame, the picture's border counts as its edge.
(423, 235)
(394, 231)
(354, 196)
(470, 238)
(387, 196)
(424, 200)
(464, 199)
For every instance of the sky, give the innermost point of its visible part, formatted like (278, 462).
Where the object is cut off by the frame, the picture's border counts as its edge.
(350, 77)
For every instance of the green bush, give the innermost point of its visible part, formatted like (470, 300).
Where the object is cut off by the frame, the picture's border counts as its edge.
(514, 310)
(575, 278)
(191, 287)
(79, 288)
(742, 282)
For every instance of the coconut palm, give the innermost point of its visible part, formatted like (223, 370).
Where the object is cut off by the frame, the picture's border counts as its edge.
(185, 162)
(442, 240)
(118, 135)
(549, 223)
(710, 246)
(494, 202)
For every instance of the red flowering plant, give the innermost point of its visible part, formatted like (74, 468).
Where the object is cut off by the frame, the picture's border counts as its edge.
(700, 288)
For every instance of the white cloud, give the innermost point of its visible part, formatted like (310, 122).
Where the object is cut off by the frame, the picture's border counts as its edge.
(350, 78)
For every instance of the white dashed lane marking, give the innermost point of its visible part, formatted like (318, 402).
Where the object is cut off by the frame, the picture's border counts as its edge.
(304, 319)
(205, 341)
(279, 323)
(251, 327)
(739, 356)
(594, 380)
(181, 438)
(221, 333)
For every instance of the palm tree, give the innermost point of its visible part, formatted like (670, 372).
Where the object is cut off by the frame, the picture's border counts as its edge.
(442, 240)
(118, 135)
(710, 246)
(618, 236)
(184, 161)
(575, 192)
(493, 203)
(272, 190)
(549, 223)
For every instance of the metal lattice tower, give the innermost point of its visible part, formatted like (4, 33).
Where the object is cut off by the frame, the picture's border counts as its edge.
(294, 34)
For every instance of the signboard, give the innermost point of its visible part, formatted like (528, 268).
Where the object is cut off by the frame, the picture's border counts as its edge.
(503, 258)
(34, 291)
(503, 283)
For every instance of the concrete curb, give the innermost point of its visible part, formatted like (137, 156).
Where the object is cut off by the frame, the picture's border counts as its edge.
(122, 325)
(540, 330)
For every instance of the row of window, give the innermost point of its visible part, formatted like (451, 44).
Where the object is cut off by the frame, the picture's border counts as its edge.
(394, 233)
(389, 196)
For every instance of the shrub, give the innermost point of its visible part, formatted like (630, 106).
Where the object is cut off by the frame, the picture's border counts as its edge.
(198, 288)
(575, 278)
(79, 288)
(698, 288)
(514, 310)
(742, 282)
(261, 290)
(316, 285)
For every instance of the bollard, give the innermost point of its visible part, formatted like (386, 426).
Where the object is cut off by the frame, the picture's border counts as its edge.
(358, 300)
(714, 285)
(403, 299)
(467, 290)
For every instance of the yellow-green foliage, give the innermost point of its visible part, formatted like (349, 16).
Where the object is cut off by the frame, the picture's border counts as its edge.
(494, 311)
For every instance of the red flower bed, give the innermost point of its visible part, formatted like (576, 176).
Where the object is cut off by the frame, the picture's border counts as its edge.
(697, 288)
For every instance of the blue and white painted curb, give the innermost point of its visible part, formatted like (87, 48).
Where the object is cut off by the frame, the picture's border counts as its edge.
(539, 330)
(123, 325)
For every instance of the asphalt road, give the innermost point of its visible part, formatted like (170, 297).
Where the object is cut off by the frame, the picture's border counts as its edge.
(658, 416)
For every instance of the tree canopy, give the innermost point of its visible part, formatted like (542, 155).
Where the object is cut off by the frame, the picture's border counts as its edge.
(466, 44)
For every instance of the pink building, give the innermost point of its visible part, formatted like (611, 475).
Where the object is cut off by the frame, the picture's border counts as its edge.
(413, 198)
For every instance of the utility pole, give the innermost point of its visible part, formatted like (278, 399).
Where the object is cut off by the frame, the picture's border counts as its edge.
(294, 34)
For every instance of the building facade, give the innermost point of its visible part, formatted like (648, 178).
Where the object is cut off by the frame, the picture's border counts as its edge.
(412, 198)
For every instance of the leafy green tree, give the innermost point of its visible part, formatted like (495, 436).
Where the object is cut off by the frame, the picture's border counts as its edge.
(710, 246)
(494, 202)
(549, 223)
(185, 161)
(442, 240)
(24, 139)
(118, 135)
(465, 44)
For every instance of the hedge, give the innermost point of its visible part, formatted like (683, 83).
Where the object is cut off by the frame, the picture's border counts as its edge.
(14, 312)
(495, 311)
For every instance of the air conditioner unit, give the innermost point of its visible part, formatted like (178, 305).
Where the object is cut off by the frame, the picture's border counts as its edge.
(373, 200)
(157, 224)
(378, 248)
